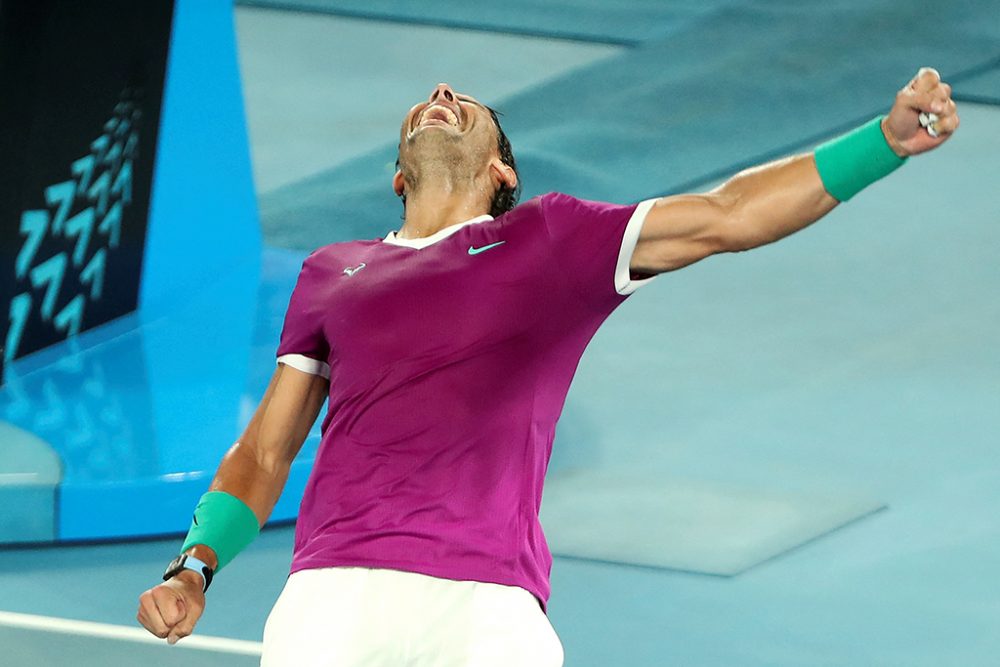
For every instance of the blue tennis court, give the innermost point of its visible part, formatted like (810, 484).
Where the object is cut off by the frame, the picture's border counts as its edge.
(780, 457)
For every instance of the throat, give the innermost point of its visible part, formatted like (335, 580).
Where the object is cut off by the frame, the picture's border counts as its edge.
(429, 213)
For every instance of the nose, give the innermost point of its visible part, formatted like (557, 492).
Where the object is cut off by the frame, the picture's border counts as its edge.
(442, 90)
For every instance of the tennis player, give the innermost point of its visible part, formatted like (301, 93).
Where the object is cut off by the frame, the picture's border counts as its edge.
(445, 351)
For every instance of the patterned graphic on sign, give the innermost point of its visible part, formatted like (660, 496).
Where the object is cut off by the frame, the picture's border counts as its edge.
(94, 409)
(79, 229)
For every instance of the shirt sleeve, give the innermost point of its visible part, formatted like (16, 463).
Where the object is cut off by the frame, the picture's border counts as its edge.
(303, 344)
(593, 242)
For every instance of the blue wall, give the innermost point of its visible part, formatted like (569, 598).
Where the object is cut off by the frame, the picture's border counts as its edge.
(203, 216)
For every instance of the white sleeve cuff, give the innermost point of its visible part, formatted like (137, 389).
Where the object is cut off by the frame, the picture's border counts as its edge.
(623, 276)
(305, 364)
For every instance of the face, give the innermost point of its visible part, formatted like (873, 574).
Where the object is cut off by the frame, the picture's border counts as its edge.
(449, 131)
(446, 111)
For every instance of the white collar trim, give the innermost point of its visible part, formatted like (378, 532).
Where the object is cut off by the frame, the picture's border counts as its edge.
(393, 239)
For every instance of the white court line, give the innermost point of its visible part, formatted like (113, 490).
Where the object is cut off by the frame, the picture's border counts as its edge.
(124, 633)
(12, 477)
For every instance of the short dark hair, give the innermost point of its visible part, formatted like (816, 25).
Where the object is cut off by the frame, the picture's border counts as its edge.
(505, 198)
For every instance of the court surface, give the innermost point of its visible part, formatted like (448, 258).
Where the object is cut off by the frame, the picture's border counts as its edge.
(858, 355)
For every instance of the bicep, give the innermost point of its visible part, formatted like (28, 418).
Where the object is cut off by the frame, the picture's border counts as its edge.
(680, 230)
(286, 413)
(753, 208)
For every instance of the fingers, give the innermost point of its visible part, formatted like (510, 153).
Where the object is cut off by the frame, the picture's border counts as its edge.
(926, 79)
(170, 605)
(927, 94)
(185, 627)
(164, 613)
(947, 119)
(149, 616)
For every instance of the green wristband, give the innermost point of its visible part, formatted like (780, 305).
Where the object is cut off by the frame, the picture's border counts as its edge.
(852, 162)
(223, 522)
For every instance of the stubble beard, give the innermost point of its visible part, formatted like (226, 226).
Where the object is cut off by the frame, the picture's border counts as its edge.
(442, 159)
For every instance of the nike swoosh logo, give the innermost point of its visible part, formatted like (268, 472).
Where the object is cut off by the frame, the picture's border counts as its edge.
(476, 251)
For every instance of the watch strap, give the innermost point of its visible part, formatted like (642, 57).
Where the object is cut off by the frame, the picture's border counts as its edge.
(188, 562)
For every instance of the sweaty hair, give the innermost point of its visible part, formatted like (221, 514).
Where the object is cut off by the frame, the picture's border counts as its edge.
(505, 198)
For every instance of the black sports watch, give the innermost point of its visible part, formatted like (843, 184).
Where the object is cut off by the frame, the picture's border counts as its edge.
(186, 562)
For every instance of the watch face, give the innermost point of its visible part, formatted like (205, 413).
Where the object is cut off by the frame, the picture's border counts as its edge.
(176, 565)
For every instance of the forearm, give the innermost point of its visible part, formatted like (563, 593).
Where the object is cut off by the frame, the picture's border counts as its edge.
(771, 201)
(256, 468)
(254, 479)
(256, 483)
(253, 472)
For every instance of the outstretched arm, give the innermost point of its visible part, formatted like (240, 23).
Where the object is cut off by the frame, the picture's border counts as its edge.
(763, 204)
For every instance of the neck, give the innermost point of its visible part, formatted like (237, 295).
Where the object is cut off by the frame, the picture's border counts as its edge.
(428, 211)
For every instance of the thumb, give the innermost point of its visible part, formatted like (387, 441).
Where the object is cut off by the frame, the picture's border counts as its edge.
(186, 626)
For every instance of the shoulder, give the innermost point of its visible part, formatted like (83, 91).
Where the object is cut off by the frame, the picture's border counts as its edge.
(552, 199)
(330, 258)
(538, 206)
(553, 204)
(332, 253)
(559, 208)
(553, 210)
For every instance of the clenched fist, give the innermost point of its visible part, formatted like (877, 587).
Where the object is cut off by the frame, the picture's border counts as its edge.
(171, 609)
(924, 93)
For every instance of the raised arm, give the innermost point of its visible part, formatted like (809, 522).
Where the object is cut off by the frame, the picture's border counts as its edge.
(254, 471)
(766, 203)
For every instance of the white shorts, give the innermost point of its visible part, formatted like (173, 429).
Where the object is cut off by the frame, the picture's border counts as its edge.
(364, 617)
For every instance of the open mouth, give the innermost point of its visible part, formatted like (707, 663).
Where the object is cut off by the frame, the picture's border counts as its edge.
(437, 114)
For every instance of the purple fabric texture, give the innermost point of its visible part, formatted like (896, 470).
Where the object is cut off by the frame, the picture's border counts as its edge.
(449, 367)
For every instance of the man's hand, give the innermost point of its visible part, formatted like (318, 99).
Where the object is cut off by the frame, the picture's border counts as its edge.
(924, 93)
(171, 609)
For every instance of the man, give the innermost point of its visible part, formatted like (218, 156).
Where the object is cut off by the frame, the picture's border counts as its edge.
(446, 350)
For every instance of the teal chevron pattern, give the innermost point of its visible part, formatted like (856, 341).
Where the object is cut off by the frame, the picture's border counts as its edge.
(34, 225)
(111, 225)
(100, 191)
(61, 196)
(93, 274)
(69, 243)
(70, 317)
(83, 170)
(80, 226)
(122, 187)
(20, 306)
(49, 275)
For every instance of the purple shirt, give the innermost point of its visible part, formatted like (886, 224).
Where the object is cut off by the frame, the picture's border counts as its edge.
(449, 361)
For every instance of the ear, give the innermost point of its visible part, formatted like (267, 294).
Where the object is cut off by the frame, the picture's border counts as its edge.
(502, 174)
(398, 184)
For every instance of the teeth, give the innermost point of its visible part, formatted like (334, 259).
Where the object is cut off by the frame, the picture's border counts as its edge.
(450, 116)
